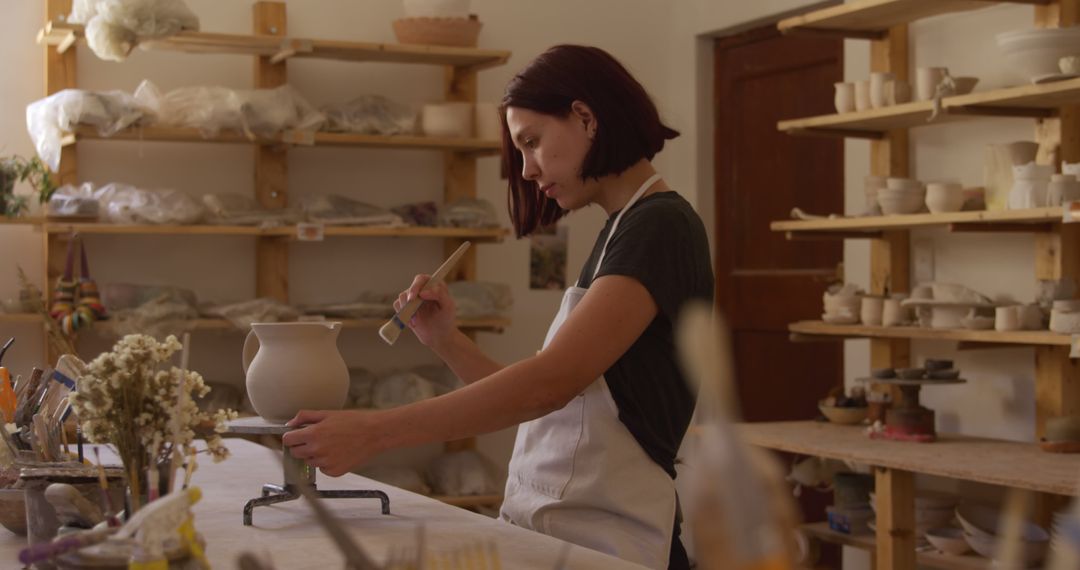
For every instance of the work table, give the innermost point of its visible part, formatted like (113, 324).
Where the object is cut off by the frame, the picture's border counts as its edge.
(293, 539)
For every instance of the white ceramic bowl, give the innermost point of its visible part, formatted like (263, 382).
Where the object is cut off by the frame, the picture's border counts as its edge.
(949, 540)
(1035, 53)
(1034, 552)
(453, 119)
(965, 85)
(942, 197)
(891, 205)
(893, 183)
(436, 8)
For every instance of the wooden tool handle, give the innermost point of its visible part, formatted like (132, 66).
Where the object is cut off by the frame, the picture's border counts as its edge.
(390, 331)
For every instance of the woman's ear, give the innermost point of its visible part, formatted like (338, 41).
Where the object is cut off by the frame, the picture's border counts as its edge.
(580, 111)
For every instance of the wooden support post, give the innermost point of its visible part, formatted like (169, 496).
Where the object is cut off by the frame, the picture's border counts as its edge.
(59, 75)
(271, 164)
(895, 519)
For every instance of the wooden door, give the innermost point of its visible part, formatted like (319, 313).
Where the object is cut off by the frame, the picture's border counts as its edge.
(764, 281)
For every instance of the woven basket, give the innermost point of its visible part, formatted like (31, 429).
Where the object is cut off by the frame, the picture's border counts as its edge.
(458, 32)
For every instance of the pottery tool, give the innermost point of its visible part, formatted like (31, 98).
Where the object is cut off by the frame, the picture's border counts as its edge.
(392, 329)
(63, 544)
(30, 393)
(907, 419)
(745, 523)
(103, 487)
(355, 557)
(181, 393)
(7, 396)
(4, 349)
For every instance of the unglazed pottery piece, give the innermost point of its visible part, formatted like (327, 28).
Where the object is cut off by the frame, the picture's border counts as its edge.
(294, 366)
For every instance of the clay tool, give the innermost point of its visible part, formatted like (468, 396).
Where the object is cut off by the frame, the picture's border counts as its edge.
(4, 349)
(103, 486)
(181, 394)
(7, 396)
(392, 329)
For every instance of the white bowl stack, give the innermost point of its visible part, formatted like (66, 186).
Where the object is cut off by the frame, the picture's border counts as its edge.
(901, 196)
(1034, 54)
(842, 306)
(932, 510)
(981, 532)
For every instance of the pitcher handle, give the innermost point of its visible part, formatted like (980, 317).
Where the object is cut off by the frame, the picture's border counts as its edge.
(251, 348)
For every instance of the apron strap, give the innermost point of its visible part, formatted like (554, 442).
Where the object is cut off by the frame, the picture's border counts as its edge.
(633, 199)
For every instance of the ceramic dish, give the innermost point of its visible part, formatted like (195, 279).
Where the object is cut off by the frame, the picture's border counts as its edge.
(844, 416)
(948, 540)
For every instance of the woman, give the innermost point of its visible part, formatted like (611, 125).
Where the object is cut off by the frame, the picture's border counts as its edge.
(603, 407)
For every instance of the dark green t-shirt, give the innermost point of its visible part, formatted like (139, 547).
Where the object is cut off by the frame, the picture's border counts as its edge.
(661, 242)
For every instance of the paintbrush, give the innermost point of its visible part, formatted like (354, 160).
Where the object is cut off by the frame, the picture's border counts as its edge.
(4, 349)
(392, 329)
(181, 394)
(7, 396)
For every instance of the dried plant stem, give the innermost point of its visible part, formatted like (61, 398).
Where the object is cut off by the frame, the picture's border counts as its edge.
(58, 341)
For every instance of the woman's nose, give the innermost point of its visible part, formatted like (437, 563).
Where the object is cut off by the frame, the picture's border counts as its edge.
(529, 170)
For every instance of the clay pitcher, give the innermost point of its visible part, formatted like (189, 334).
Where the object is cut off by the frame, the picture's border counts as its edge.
(294, 366)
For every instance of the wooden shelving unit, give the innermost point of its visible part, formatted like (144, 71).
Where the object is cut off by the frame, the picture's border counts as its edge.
(822, 532)
(872, 19)
(1033, 101)
(486, 324)
(49, 226)
(956, 457)
(1056, 110)
(400, 142)
(277, 48)
(1034, 220)
(271, 49)
(1030, 338)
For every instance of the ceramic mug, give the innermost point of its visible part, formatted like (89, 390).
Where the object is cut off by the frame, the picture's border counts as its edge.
(871, 311)
(1007, 318)
(897, 92)
(878, 82)
(862, 95)
(844, 99)
(893, 313)
(927, 80)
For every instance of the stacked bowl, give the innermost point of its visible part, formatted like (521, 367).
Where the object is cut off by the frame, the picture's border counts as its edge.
(981, 532)
(932, 510)
(901, 196)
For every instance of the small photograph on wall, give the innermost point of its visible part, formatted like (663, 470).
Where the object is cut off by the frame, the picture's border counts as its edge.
(547, 257)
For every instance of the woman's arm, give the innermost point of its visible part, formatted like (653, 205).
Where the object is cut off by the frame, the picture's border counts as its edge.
(607, 321)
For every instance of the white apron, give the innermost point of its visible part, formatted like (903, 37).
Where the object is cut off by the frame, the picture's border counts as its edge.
(579, 475)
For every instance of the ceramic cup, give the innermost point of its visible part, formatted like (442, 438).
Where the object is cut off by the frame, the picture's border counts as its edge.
(897, 92)
(871, 185)
(871, 310)
(893, 314)
(844, 99)
(878, 81)
(927, 80)
(862, 95)
(1007, 318)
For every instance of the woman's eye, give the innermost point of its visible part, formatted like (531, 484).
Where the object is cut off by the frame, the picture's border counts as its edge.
(530, 143)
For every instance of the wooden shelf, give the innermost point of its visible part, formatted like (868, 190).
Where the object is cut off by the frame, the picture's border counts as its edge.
(871, 19)
(471, 500)
(279, 49)
(487, 324)
(1037, 218)
(320, 139)
(1005, 463)
(1037, 101)
(931, 559)
(59, 227)
(1034, 338)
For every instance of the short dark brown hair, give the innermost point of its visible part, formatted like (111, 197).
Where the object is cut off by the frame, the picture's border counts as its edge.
(629, 125)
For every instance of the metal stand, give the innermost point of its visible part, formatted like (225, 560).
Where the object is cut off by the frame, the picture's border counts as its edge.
(296, 472)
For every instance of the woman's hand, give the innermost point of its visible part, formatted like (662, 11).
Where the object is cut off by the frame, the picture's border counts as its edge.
(334, 441)
(435, 321)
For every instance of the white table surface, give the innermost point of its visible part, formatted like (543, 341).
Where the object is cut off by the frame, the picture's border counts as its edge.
(289, 533)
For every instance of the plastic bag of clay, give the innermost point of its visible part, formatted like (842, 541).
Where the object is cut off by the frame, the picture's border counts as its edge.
(262, 310)
(424, 214)
(468, 213)
(126, 204)
(115, 27)
(117, 296)
(399, 389)
(361, 387)
(332, 209)
(368, 305)
(370, 114)
(158, 317)
(461, 473)
(74, 202)
(258, 113)
(49, 119)
(441, 377)
(240, 210)
(476, 299)
(401, 477)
